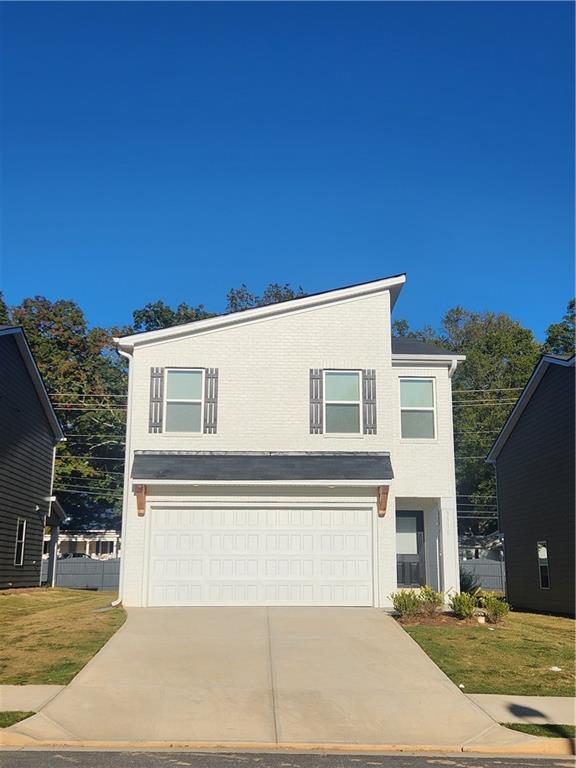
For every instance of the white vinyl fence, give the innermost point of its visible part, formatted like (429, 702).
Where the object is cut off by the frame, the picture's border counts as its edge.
(490, 574)
(82, 573)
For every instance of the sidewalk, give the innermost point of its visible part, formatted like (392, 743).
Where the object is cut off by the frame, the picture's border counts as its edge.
(27, 698)
(559, 710)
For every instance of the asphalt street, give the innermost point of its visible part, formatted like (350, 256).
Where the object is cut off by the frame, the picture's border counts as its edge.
(102, 759)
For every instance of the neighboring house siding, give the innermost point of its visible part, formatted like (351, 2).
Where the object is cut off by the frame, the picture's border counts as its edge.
(535, 475)
(26, 458)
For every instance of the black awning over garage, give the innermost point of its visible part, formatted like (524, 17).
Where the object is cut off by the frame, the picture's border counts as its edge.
(209, 466)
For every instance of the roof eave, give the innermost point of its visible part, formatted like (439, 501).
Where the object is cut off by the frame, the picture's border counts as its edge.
(523, 400)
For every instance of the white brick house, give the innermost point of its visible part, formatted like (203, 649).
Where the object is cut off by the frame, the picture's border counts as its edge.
(293, 454)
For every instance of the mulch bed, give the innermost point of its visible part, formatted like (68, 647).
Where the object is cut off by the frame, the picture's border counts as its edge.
(439, 620)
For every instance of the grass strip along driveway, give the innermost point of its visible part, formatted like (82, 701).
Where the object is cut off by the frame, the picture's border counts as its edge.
(514, 657)
(547, 729)
(48, 635)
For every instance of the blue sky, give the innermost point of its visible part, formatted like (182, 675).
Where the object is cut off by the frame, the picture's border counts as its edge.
(175, 150)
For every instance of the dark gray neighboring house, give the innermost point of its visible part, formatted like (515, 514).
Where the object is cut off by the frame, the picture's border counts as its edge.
(29, 432)
(534, 459)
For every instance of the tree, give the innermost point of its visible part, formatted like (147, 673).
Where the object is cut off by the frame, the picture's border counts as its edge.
(560, 336)
(401, 329)
(86, 381)
(4, 312)
(500, 356)
(241, 298)
(157, 315)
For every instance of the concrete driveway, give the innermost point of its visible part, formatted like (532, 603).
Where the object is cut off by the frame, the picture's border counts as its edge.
(263, 676)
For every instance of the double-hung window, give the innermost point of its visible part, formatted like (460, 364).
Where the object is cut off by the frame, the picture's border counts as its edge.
(417, 410)
(20, 539)
(543, 569)
(342, 411)
(184, 400)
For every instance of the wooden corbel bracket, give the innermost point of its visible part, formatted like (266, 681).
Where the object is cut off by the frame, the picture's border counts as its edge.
(140, 491)
(382, 499)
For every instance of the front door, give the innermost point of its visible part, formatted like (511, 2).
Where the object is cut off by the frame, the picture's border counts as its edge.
(410, 565)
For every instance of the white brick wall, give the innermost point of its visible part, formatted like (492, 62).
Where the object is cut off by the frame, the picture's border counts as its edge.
(263, 404)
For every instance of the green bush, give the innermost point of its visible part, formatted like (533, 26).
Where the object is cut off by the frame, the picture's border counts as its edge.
(406, 602)
(494, 608)
(463, 605)
(468, 582)
(430, 601)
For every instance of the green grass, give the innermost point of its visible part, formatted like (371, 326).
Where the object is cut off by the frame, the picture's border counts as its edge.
(514, 658)
(555, 731)
(48, 635)
(9, 718)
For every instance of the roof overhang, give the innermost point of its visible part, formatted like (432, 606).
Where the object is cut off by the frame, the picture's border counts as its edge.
(57, 514)
(542, 366)
(313, 301)
(250, 468)
(20, 338)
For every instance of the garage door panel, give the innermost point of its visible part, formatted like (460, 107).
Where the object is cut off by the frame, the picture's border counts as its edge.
(262, 556)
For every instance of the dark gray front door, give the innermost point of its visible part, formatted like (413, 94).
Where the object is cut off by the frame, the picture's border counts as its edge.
(410, 565)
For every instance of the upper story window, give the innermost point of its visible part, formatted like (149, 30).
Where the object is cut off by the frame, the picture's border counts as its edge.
(20, 539)
(184, 400)
(543, 570)
(417, 409)
(342, 412)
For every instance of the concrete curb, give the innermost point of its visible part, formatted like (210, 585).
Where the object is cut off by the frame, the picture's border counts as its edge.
(539, 746)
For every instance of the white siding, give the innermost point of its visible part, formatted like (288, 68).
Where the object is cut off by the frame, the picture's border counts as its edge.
(263, 404)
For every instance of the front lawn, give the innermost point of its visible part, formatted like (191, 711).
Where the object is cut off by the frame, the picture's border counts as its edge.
(12, 717)
(48, 635)
(547, 729)
(512, 657)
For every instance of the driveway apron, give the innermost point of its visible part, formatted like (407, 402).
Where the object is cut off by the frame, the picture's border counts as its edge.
(262, 675)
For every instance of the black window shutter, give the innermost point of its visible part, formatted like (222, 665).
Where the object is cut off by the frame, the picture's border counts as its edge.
(210, 401)
(316, 402)
(156, 416)
(369, 401)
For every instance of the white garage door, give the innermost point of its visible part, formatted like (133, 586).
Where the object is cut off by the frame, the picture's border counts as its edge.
(260, 556)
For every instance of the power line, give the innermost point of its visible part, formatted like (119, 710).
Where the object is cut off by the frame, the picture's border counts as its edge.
(92, 434)
(95, 458)
(76, 407)
(83, 394)
(496, 389)
(476, 403)
(86, 493)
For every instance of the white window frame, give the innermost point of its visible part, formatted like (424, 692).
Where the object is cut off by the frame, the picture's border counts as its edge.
(542, 563)
(419, 408)
(183, 400)
(343, 402)
(20, 541)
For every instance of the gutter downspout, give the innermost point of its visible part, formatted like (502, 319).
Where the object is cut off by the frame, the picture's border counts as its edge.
(127, 456)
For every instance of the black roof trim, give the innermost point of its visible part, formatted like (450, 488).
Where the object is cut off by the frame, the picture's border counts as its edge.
(401, 345)
(261, 466)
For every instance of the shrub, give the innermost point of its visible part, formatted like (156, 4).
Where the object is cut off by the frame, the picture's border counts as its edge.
(406, 602)
(463, 605)
(494, 608)
(468, 582)
(430, 601)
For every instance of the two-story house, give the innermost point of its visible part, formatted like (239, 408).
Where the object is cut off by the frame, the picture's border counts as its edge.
(292, 454)
(534, 458)
(29, 434)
